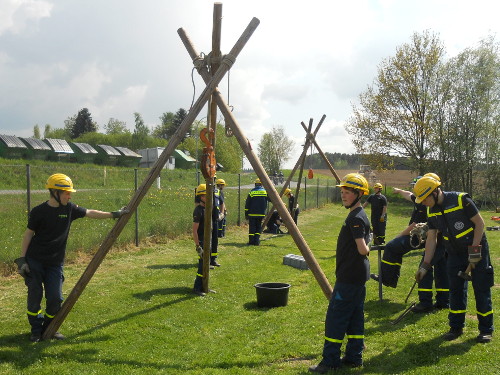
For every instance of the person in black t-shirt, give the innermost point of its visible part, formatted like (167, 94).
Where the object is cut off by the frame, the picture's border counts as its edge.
(345, 314)
(378, 216)
(43, 250)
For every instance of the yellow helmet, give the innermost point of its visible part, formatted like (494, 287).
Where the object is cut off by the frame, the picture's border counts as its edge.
(60, 181)
(355, 181)
(378, 185)
(201, 189)
(424, 187)
(287, 191)
(433, 175)
(220, 181)
(257, 181)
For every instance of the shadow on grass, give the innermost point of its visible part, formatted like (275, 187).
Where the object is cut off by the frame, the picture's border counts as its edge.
(184, 266)
(417, 354)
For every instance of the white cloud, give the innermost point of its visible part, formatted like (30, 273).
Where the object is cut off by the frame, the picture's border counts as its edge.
(17, 16)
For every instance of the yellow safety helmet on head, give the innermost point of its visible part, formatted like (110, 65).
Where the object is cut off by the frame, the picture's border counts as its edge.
(287, 191)
(378, 185)
(355, 181)
(424, 187)
(220, 181)
(201, 189)
(59, 181)
(433, 175)
(257, 181)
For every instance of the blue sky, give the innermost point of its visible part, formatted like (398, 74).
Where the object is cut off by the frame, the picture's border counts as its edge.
(306, 58)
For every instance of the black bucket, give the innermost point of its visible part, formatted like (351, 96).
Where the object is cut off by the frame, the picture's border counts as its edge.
(272, 294)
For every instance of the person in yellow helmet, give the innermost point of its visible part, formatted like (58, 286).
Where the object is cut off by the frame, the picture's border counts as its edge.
(392, 260)
(456, 216)
(293, 207)
(255, 210)
(221, 184)
(345, 314)
(378, 216)
(43, 250)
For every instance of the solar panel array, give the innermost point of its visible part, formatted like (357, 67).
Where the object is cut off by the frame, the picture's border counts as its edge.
(12, 141)
(127, 152)
(85, 148)
(111, 151)
(36, 144)
(60, 146)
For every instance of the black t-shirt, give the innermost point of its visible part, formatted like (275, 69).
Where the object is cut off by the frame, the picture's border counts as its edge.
(378, 202)
(199, 217)
(352, 267)
(419, 214)
(51, 226)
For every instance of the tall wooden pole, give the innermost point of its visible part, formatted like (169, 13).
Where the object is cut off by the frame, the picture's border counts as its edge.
(246, 146)
(297, 164)
(334, 173)
(148, 181)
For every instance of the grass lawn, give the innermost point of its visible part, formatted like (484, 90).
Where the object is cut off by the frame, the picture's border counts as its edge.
(138, 315)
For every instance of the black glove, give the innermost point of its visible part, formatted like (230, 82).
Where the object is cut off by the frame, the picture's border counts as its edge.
(122, 211)
(22, 267)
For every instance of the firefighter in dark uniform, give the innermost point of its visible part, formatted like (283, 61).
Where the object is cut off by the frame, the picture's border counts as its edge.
(345, 314)
(274, 223)
(378, 216)
(293, 207)
(43, 251)
(221, 184)
(456, 216)
(393, 259)
(255, 210)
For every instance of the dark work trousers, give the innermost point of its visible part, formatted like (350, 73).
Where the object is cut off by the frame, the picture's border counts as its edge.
(482, 281)
(393, 259)
(254, 229)
(345, 316)
(378, 229)
(198, 281)
(437, 275)
(222, 228)
(42, 277)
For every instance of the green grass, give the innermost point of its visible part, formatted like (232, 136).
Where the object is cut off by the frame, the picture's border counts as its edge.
(138, 316)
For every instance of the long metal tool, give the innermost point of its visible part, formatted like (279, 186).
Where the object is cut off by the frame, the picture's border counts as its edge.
(411, 290)
(404, 313)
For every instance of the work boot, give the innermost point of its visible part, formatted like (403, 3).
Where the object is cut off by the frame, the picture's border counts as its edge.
(36, 337)
(199, 292)
(484, 338)
(322, 369)
(439, 306)
(421, 308)
(58, 336)
(215, 264)
(453, 334)
(375, 277)
(349, 363)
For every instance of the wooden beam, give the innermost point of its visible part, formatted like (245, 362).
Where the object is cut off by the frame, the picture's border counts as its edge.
(246, 146)
(148, 181)
(323, 156)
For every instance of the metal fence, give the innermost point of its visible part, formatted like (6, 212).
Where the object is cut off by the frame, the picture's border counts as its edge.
(164, 212)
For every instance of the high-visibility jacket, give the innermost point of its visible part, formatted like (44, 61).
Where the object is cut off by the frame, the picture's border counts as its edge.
(456, 226)
(256, 202)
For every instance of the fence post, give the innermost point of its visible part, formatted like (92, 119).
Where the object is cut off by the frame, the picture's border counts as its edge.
(137, 211)
(28, 188)
(305, 193)
(327, 186)
(317, 194)
(239, 199)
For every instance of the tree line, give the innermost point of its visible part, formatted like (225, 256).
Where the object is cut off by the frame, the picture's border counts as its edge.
(441, 114)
